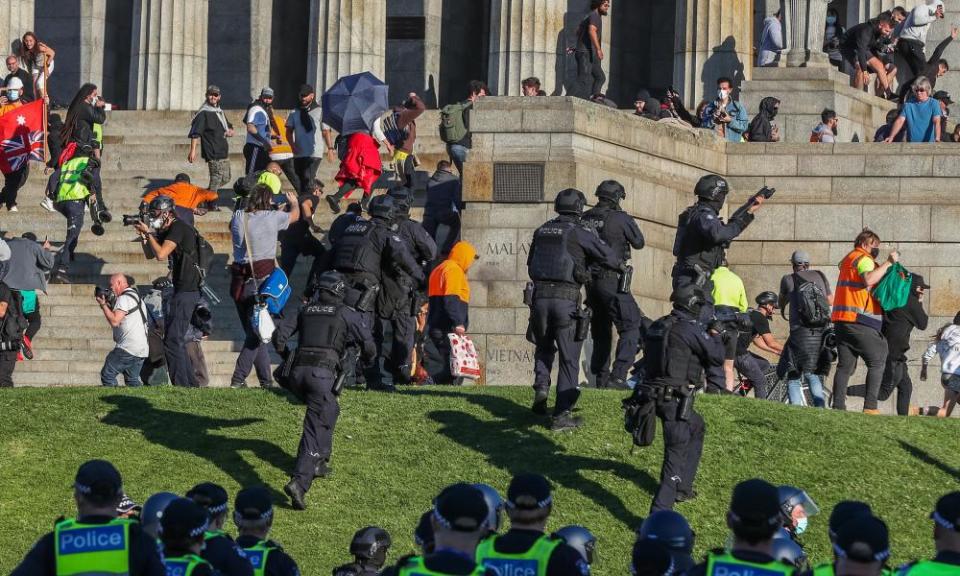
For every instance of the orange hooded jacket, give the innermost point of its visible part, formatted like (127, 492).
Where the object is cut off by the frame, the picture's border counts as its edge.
(449, 290)
(183, 194)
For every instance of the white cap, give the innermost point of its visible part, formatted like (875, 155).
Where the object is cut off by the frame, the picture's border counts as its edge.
(15, 84)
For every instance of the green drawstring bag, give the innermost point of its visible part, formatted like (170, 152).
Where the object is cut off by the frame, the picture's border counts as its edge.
(894, 288)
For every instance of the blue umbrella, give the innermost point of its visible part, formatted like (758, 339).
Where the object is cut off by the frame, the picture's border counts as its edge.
(354, 103)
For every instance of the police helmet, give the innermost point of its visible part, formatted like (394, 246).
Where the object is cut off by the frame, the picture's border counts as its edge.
(153, 511)
(371, 543)
(689, 297)
(711, 187)
(765, 298)
(570, 201)
(786, 550)
(161, 204)
(402, 198)
(332, 282)
(382, 206)
(611, 190)
(494, 506)
(790, 498)
(580, 539)
(670, 529)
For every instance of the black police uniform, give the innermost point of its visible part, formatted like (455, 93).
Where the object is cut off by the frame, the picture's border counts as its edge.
(396, 325)
(279, 563)
(701, 239)
(341, 223)
(144, 556)
(224, 554)
(564, 560)
(610, 306)
(355, 569)
(676, 351)
(326, 327)
(558, 263)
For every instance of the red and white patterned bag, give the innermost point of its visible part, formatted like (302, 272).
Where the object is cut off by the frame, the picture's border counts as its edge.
(464, 362)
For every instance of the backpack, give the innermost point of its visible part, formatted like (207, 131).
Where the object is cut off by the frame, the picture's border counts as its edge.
(205, 256)
(453, 128)
(893, 290)
(639, 417)
(14, 322)
(812, 305)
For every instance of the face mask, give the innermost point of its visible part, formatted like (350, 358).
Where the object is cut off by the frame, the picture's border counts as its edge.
(874, 252)
(157, 223)
(13, 95)
(722, 94)
(801, 526)
(93, 101)
(831, 20)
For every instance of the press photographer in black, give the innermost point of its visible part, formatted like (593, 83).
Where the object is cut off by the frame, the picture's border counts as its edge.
(164, 236)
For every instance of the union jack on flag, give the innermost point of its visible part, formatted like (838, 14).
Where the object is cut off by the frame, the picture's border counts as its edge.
(23, 147)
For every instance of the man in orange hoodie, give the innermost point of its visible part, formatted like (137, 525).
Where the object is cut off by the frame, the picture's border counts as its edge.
(186, 197)
(449, 293)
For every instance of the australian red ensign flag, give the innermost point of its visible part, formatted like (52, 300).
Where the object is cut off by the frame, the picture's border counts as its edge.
(21, 136)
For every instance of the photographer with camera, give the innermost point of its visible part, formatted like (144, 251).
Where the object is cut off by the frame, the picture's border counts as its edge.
(187, 198)
(78, 188)
(124, 310)
(167, 237)
(726, 116)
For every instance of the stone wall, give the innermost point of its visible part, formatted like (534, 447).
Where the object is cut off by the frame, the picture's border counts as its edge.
(825, 195)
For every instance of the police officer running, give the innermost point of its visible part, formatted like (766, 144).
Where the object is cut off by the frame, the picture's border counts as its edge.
(253, 515)
(861, 546)
(702, 236)
(525, 548)
(946, 538)
(677, 349)
(369, 548)
(219, 549)
(754, 517)
(327, 327)
(671, 530)
(608, 292)
(459, 521)
(560, 256)
(72, 547)
(183, 526)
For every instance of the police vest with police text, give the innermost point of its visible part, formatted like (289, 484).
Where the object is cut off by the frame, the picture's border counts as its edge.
(550, 257)
(828, 570)
(929, 568)
(323, 331)
(599, 216)
(727, 564)
(71, 185)
(92, 548)
(257, 555)
(357, 249)
(183, 565)
(533, 562)
(415, 566)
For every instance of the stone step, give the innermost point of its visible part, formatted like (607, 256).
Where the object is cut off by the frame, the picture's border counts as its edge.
(47, 379)
(104, 344)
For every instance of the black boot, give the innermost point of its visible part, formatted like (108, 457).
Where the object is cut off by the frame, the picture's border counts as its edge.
(565, 421)
(296, 494)
(540, 402)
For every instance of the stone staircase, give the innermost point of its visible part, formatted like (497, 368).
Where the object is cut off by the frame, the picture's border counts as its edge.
(142, 151)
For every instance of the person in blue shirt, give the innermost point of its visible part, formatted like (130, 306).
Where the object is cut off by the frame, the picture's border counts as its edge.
(921, 114)
(725, 115)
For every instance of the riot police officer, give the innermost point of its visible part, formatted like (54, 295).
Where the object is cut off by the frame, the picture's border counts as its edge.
(560, 256)
(677, 350)
(796, 506)
(702, 235)
(326, 327)
(608, 292)
(581, 539)
(671, 530)
(369, 548)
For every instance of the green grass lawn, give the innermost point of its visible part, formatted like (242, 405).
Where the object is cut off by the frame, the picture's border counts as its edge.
(393, 453)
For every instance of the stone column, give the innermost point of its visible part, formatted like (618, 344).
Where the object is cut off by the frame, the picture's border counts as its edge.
(714, 39)
(525, 40)
(93, 24)
(346, 37)
(803, 23)
(261, 35)
(16, 17)
(168, 63)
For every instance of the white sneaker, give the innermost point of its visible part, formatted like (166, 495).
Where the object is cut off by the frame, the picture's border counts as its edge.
(47, 204)
(13, 209)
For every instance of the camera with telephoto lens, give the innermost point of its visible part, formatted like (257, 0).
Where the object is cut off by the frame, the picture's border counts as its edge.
(141, 216)
(105, 293)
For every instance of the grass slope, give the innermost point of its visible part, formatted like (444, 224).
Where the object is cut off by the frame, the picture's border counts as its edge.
(393, 453)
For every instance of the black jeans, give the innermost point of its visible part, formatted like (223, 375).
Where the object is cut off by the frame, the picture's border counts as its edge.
(175, 338)
(858, 341)
(255, 158)
(896, 376)
(12, 183)
(254, 353)
(590, 74)
(754, 369)
(913, 55)
(306, 171)
(72, 210)
(33, 323)
(444, 228)
(8, 361)
(290, 172)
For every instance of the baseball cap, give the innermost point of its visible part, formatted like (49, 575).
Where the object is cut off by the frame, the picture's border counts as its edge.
(755, 502)
(267, 92)
(863, 539)
(461, 508)
(183, 518)
(253, 504)
(943, 96)
(919, 282)
(650, 558)
(98, 478)
(845, 511)
(800, 257)
(209, 495)
(15, 84)
(306, 89)
(529, 492)
(213, 89)
(947, 511)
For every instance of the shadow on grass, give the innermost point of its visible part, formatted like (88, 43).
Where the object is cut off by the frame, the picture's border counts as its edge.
(190, 433)
(927, 458)
(517, 442)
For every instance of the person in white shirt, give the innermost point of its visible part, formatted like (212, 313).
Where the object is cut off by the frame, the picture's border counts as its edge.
(127, 316)
(913, 35)
(309, 137)
(947, 345)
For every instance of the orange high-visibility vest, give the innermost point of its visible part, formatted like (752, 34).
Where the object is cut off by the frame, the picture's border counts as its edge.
(852, 301)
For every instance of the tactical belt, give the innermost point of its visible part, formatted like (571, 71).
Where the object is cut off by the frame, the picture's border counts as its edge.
(606, 273)
(552, 290)
(312, 357)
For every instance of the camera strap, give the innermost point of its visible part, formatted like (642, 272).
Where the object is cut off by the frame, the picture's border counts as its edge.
(136, 297)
